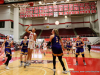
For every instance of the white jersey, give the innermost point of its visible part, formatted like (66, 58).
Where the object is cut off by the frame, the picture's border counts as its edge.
(44, 45)
(74, 44)
(31, 37)
(31, 43)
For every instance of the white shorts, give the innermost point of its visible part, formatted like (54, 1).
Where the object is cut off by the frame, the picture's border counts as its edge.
(44, 48)
(31, 45)
(74, 47)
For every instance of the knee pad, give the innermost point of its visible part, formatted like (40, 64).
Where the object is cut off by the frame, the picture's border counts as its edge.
(82, 55)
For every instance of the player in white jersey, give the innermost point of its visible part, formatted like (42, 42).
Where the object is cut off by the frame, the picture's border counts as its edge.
(73, 46)
(31, 44)
(44, 47)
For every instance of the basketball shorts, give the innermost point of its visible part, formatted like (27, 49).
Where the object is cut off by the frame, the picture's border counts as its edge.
(57, 50)
(44, 48)
(8, 51)
(24, 51)
(79, 50)
(31, 45)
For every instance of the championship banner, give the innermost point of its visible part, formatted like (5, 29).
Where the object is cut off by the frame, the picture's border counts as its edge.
(75, 5)
(55, 6)
(50, 14)
(55, 10)
(35, 15)
(66, 6)
(45, 7)
(45, 14)
(35, 8)
(60, 13)
(55, 14)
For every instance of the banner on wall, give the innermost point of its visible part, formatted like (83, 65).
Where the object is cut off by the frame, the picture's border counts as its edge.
(55, 14)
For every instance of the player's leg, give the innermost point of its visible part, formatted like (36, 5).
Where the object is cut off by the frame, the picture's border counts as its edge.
(82, 53)
(9, 56)
(54, 63)
(4, 57)
(21, 60)
(28, 54)
(25, 60)
(62, 63)
(31, 50)
(77, 53)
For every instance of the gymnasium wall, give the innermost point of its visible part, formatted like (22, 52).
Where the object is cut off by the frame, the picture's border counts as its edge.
(70, 22)
(5, 15)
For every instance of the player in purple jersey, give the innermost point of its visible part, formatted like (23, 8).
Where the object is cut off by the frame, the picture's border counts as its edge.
(79, 49)
(7, 43)
(57, 49)
(24, 50)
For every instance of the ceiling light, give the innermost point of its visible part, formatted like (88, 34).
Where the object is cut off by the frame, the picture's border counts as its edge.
(40, 2)
(54, 3)
(67, 0)
(65, 16)
(46, 18)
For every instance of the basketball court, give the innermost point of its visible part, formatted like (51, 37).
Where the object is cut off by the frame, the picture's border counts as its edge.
(70, 17)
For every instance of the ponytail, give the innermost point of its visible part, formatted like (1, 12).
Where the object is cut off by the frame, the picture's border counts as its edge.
(57, 33)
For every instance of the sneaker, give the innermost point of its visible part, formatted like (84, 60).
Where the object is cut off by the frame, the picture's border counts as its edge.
(24, 65)
(65, 72)
(76, 63)
(27, 64)
(3, 60)
(20, 65)
(84, 63)
(54, 70)
(7, 67)
(44, 54)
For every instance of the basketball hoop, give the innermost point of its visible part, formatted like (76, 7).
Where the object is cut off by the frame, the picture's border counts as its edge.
(23, 7)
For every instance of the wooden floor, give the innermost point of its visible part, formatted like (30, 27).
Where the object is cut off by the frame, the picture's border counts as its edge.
(44, 67)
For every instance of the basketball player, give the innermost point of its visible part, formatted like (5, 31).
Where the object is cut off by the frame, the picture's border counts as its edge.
(24, 51)
(8, 52)
(31, 44)
(73, 47)
(57, 49)
(79, 48)
(44, 47)
(68, 43)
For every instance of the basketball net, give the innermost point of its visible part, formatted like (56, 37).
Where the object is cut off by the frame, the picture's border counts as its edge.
(23, 7)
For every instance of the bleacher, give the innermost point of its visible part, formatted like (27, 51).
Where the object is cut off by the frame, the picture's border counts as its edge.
(66, 32)
(86, 31)
(46, 33)
(2, 36)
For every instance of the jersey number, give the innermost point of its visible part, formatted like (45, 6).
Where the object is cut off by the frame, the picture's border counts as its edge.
(56, 40)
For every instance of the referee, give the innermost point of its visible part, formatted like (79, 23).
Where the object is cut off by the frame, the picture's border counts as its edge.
(89, 45)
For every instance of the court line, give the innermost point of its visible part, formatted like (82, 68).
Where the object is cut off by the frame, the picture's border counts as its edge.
(27, 67)
(67, 67)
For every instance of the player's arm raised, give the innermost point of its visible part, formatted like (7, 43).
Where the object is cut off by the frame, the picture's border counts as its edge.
(27, 29)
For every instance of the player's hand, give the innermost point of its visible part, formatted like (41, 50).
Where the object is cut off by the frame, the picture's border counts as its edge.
(63, 49)
(30, 25)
